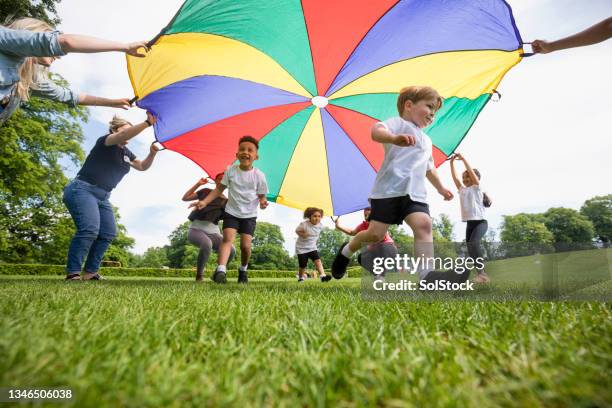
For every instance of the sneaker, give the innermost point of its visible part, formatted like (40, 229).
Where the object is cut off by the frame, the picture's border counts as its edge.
(301, 279)
(219, 276)
(91, 276)
(73, 277)
(326, 278)
(243, 277)
(338, 268)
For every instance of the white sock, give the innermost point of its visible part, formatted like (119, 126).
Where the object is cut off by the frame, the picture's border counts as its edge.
(346, 251)
(221, 268)
(243, 268)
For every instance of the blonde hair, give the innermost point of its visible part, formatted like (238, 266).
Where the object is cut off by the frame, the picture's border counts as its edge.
(116, 123)
(415, 94)
(29, 72)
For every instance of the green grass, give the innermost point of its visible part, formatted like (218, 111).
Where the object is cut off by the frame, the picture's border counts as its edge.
(162, 342)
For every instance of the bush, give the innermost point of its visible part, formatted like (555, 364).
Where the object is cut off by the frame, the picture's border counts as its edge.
(40, 269)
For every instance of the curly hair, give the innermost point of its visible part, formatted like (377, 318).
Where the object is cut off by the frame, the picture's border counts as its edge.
(311, 210)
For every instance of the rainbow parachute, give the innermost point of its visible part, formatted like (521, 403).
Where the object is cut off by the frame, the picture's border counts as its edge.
(309, 78)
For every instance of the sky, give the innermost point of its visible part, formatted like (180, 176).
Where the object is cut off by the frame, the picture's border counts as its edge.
(545, 144)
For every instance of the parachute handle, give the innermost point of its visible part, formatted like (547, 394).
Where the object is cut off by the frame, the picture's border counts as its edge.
(527, 54)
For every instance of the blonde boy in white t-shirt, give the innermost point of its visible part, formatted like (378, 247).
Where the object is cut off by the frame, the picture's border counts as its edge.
(247, 188)
(399, 192)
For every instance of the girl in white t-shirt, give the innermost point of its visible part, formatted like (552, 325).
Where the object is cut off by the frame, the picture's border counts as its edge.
(306, 245)
(473, 203)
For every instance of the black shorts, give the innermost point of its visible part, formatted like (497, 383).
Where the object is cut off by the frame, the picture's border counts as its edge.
(395, 209)
(243, 225)
(303, 258)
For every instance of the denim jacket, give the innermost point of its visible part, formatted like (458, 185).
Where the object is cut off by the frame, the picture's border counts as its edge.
(15, 46)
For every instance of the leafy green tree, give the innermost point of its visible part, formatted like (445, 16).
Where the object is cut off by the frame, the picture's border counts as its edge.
(599, 211)
(154, 257)
(444, 227)
(268, 251)
(330, 241)
(569, 227)
(268, 234)
(34, 142)
(41, 9)
(181, 254)
(403, 241)
(524, 234)
(268, 256)
(490, 244)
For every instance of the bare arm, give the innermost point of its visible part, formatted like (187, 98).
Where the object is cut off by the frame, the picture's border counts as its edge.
(380, 134)
(217, 192)
(143, 165)
(87, 44)
(470, 170)
(90, 100)
(301, 231)
(592, 35)
(342, 229)
(454, 173)
(434, 179)
(263, 201)
(125, 135)
(191, 195)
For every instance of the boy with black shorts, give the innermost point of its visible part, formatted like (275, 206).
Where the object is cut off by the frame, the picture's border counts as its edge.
(247, 187)
(399, 192)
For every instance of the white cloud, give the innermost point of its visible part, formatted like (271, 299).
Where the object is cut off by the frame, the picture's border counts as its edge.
(546, 143)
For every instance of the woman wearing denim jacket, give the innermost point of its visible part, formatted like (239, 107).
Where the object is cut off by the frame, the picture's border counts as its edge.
(87, 195)
(28, 47)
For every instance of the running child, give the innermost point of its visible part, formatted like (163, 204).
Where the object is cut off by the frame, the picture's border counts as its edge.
(399, 192)
(473, 202)
(306, 245)
(247, 188)
(204, 229)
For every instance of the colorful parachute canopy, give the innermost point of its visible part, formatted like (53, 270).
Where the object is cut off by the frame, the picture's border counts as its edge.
(308, 79)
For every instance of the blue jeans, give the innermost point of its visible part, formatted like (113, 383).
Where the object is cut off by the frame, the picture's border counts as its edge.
(95, 223)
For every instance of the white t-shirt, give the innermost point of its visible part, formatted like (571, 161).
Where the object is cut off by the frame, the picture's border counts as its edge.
(472, 208)
(243, 189)
(205, 226)
(403, 169)
(309, 243)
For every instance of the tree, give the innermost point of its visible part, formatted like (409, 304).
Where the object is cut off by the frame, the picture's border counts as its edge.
(444, 227)
(403, 241)
(181, 254)
(569, 228)
(490, 244)
(34, 142)
(524, 234)
(329, 243)
(154, 257)
(268, 251)
(268, 233)
(42, 9)
(599, 211)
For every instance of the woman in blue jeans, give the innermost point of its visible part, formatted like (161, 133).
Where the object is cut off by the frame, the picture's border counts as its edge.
(473, 201)
(87, 196)
(29, 46)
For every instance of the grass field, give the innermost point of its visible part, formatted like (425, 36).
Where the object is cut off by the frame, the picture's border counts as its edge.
(171, 342)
